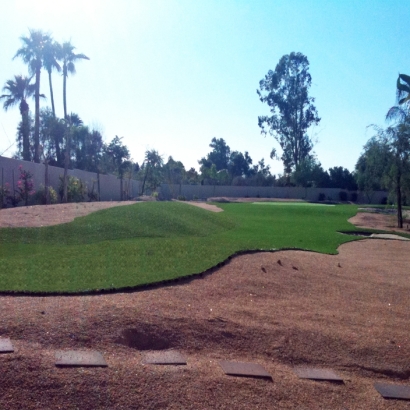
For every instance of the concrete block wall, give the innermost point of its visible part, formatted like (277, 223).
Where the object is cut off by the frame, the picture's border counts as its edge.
(204, 192)
(109, 184)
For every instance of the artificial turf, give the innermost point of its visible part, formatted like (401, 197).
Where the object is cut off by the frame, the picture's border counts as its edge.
(150, 242)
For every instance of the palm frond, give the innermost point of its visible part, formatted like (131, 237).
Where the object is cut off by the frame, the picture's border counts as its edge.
(396, 113)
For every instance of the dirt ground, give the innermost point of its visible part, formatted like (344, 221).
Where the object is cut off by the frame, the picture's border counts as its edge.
(349, 312)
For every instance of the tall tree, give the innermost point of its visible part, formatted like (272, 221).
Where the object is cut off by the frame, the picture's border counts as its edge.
(286, 91)
(372, 166)
(50, 62)
(152, 169)
(119, 154)
(219, 155)
(68, 57)
(17, 92)
(32, 53)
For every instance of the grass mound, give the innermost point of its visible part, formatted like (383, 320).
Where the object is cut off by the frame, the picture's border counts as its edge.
(144, 243)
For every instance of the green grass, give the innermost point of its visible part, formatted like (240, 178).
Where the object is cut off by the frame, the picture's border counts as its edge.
(149, 242)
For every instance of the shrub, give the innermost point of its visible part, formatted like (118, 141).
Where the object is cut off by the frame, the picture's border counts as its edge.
(321, 197)
(195, 198)
(343, 196)
(40, 195)
(4, 194)
(384, 201)
(353, 197)
(24, 189)
(76, 190)
(181, 198)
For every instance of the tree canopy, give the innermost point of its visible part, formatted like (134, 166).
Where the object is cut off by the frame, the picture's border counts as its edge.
(286, 91)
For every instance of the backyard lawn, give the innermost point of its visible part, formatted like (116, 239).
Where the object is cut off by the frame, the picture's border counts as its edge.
(150, 242)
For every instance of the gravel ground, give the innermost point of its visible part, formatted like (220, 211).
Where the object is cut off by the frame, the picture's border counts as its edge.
(349, 312)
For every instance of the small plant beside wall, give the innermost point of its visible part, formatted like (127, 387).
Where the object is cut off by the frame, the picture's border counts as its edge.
(25, 189)
(343, 196)
(4, 194)
(40, 196)
(76, 190)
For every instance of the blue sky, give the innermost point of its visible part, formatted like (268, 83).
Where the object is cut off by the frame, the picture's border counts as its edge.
(172, 74)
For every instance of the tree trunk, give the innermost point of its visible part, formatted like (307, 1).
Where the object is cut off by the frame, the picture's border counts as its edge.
(46, 188)
(51, 94)
(37, 118)
(25, 122)
(66, 161)
(65, 90)
(143, 183)
(398, 198)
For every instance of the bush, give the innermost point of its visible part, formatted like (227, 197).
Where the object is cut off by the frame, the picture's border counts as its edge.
(321, 197)
(4, 194)
(353, 197)
(384, 201)
(76, 190)
(195, 198)
(40, 195)
(181, 198)
(343, 196)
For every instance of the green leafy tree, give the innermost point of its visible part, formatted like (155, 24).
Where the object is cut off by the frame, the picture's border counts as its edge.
(120, 155)
(372, 166)
(32, 53)
(17, 92)
(239, 164)
(395, 142)
(152, 170)
(286, 91)
(174, 172)
(192, 177)
(219, 155)
(309, 173)
(342, 178)
(52, 137)
(68, 57)
(71, 122)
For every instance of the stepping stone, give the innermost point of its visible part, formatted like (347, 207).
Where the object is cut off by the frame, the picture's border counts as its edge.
(244, 369)
(393, 391)
(79, 358)
(317, 374)
(171, 357)
(6, 346)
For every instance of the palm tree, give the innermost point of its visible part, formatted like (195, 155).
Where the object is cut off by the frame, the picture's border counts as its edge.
(50, 57)
(403, 90)
(68, 58)
(32, 53)
(18, 90)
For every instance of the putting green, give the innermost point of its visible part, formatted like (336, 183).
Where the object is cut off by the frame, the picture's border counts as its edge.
(291, 203)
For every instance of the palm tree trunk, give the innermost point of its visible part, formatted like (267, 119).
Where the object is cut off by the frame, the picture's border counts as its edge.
(66, 161)
(51, 94)
(65, 90)
(37, 118)
(25, 125)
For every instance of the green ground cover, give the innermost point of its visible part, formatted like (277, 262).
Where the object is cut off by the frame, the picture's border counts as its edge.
(150, 242)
